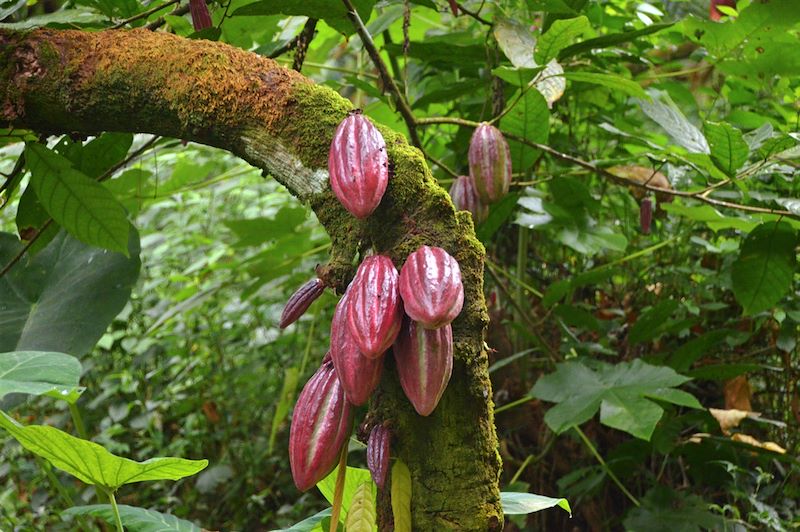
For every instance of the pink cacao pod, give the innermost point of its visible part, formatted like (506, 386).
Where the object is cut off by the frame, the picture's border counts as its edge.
(320, 426)
(201, 18)
(431, 288)
(358, 165)
(646, 215)
(424, 359)
(714, 13)
(300, 301)
(378, 449)
(358, 374)
(465, 198)
(374, 310)
(489, 163)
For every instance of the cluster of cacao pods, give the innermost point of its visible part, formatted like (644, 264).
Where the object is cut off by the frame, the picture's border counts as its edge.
(489, 173)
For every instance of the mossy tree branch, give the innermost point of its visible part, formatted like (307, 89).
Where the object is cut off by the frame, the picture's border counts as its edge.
(63, 81)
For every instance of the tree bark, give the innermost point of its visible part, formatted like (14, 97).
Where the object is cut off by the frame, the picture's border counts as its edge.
(63, 81)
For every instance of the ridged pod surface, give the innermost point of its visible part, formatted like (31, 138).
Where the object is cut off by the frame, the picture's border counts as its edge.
(431, 287)
(489, 163)
(320, 426)
(465, 198)
(374, 310)
(378, 450)
(424, 359)
(646, 215)
(358, 165)
(358, 374)
(201, 18)
(300, 301)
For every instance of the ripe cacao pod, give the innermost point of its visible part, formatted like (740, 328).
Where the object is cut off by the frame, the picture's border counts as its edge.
(431, 288)
(466, 199)
(374, 310)
(358, 165)
(300, 301)
(320, 426)
(378, 449)
(424, 359)
(489, 163)
(646, 215)
(201, 18)
(358, 374)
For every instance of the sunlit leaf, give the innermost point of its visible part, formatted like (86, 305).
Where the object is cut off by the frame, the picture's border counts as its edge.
(40, 373)
(526, 503)
(135, 519)
(401, 496)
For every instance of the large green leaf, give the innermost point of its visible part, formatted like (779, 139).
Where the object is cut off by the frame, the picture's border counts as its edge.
(401, 496)
(621, 392)
(530, 119)
(561, 34)
(93, 464)
(65, 297)
(361, 516)
(605, 41)
(728, 149)
(651, 323)
(515, 503)
(762, 274)
(333, 13)
(135, 519)
(40, 373)
(310, 523)
(78, 203)
(516, 41)
(666, 510)
(665, 113)
(354, 478)
(613, 82)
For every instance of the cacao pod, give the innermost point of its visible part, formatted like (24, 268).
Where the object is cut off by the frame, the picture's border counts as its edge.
(358, 374)
(431, 288)
(358, 165)
(320, 426)
(300, 301)
(201, 18)
(646, 215)
(424, 359)
(378, 449)
(489, 163)
(374, 310)
(466, 199)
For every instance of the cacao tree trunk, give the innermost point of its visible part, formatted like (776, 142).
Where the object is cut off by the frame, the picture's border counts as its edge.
(64, 81)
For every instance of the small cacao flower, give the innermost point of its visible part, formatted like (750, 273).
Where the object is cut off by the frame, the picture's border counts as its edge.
(201, 18)
(431, 287)
(465, 198)
(300, 301)
(358, 374)
(358, 165)
(489, 163)
(424, 359)
(374, 309)
(646, 215)
(320, 426)
(378, 449)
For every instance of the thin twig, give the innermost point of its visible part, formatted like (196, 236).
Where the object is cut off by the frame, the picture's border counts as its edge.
(144, 14)
(22, 252)
(605, 467)
(160, 21)
(440, 164)
(474, 15)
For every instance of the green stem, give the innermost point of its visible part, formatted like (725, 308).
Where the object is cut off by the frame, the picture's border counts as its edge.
(522, 267)
(512, 404)
(339, 490)
(605, 467)
(114, 509)
(77, 420)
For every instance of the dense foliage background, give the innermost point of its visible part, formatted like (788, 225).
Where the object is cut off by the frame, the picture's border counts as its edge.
(651, 379)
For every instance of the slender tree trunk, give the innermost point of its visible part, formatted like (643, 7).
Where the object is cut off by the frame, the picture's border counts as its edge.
(54, 81)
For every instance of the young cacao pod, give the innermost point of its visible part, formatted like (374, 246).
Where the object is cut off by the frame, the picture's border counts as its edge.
(378, 448)
(300, 301)
(358, 374)
(646, 215)
(466, 199)
(201, 18)
(431, 288)
(424, 359)
(358, 165)
(489, 163)
(374, 309)
(320, 426)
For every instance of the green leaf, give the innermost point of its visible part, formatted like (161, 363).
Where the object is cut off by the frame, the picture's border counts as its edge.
(616, 83)
(90, 462)
(621, 392)
(353, 479)
(611, 39)
(286, 399)
(762, 274)
(729, 151)
(551, 6)
(99, 155)
(401, 496)
(256, 231)
(134, 519)
(515, 503)
(362, 516)
(530, 119)
(65, 297)
(665, 113)
(665, 510)
(40, 373)
(310, 523)
(31, 217)
(64, 17)
(499, 213)
(561, 34)
(79, 204)
(333, 13)
(651, 323)
(516, 41)
(683, 358)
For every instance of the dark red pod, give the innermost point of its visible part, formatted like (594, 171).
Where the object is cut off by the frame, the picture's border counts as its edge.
(378, 450)
(465, 198)
(201, 18)
(374, 310)
(300, 301)
(646, 215)
(489, 163)
(431, 287)
(358, 165)
(424, 359)
(358, 374)
(320, 426)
